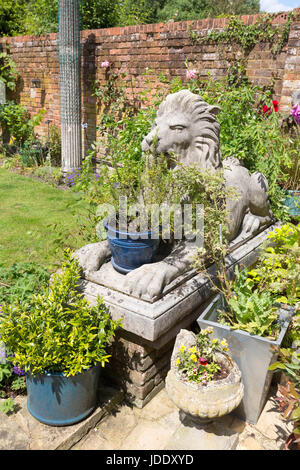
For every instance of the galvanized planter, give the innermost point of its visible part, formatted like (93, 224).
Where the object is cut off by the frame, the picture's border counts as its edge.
(253, 355)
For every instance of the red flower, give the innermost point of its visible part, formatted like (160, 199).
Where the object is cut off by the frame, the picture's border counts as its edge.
(202, 361)
(266, 109)
(275, 105)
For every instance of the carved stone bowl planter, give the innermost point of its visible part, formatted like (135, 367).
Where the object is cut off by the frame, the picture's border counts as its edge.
(204, 402)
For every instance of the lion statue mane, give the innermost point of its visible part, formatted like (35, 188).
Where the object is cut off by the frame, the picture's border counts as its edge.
(186, 126)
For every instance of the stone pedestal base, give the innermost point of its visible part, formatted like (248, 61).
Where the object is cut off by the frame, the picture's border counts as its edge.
(137, 367)
(142, 350)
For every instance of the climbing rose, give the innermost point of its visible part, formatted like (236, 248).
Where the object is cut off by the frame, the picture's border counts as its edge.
(275, 105)
(105, 64)
(295, 112)
(266, 109)
(191, 74)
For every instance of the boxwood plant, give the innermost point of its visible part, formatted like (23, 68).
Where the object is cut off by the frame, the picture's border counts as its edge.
(58, 330)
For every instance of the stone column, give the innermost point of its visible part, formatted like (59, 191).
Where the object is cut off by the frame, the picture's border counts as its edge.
(70, 89)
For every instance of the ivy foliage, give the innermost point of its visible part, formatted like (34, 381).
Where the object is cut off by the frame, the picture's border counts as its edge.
(246, 36)
(8, 70)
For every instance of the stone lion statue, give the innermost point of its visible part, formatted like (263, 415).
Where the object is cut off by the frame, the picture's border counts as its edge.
(186, 126)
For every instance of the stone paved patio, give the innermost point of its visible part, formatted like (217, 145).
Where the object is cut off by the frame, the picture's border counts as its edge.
(158, 426)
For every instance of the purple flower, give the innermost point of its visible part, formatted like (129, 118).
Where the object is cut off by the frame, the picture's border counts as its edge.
(295, 112)
(18, 371)
(71, 178)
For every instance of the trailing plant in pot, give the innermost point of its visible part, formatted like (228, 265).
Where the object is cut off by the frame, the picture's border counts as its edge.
(60, 341)
(289, 398)
(152, 195)
(249, 313)
(203, 381)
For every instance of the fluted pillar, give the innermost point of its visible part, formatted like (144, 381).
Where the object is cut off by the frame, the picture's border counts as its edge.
(69, 78)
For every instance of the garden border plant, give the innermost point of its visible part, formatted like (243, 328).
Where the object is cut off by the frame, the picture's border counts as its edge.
(57, 333)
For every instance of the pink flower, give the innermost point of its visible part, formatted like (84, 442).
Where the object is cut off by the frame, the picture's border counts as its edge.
(105, 64)
(295, 112)
(202, 361)
(191, 74)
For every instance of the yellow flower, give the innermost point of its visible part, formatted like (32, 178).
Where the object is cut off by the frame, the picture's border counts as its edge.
(182, 349)
(224, 343)
(208, 330)
(214, 341)
(193, 357)
(177, 362)
(193, 350)
(11, 140)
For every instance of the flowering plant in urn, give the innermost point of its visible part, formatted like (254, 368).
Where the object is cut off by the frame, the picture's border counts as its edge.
(203, 380)
(199, 363)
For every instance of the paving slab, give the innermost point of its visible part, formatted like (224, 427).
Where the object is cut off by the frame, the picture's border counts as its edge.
(21, 431)
(211, 437)
(116, 425)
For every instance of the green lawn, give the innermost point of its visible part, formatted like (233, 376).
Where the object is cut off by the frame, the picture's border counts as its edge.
(29, 212)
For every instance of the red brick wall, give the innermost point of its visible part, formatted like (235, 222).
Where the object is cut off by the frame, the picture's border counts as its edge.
(162, 47)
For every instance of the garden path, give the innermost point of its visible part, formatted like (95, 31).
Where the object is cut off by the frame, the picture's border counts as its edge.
(117, 426)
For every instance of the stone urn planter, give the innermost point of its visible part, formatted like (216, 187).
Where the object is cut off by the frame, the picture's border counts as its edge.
(204, 402)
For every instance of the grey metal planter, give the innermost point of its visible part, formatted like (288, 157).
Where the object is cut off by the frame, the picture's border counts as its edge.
(253, 355)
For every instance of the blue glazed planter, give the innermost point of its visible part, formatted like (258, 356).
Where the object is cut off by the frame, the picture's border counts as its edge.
(57, 400)
(292, 201)
(130, 250)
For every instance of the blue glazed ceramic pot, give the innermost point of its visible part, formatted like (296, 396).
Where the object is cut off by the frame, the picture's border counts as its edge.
(130, 250)
(57, 400)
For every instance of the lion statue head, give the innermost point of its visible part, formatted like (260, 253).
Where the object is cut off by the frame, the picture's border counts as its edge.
(186, 127)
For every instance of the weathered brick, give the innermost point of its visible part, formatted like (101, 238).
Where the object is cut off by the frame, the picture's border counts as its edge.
(163, 47)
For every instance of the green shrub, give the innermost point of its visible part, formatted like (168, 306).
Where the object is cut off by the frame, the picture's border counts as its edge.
(277, 269)
(17, 121)
(58, 330)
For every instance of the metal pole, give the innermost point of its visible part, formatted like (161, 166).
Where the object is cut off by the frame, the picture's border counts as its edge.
(70, 89)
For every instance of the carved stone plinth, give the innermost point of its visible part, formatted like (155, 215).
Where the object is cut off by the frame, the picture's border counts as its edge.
(142, 350)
